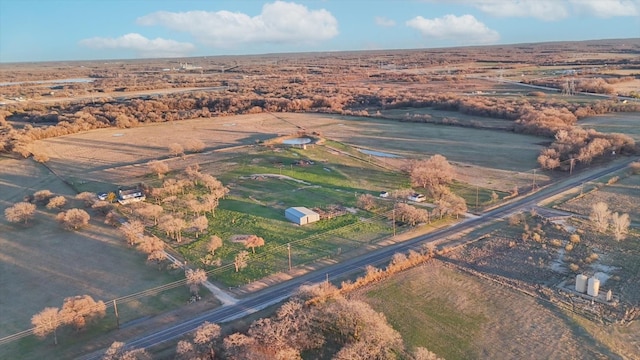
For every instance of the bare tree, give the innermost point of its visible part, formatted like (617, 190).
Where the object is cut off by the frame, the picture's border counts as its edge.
(56, 202)
(87, 197)
(40, 157)
(366, 201)
(73, 218)
(203, 339)
(78, 310)
(429, 174)
(176, 149)
(456, 204)
(150, 212)
(117, 351)
(238, 346)
(200, 224)
(215, 242)
(620, 225)
(253, 241)
(159, 168)
(20, 212)
(421, 353)
(241, 260)
(600, 215)
(46, 322)
(195, 145)
(42, 196)
(195, 278)
(410, 214)
(132, 231)
(173, 226)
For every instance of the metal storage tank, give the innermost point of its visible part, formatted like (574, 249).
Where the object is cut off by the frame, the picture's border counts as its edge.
(581, 283)
(594, 286)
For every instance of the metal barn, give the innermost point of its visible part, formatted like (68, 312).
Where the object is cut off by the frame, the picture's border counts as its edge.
(301, 215)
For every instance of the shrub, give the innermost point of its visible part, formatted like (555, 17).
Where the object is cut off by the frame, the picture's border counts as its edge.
(556, 242)
(568, 247)
(574, 267)
(574, 238)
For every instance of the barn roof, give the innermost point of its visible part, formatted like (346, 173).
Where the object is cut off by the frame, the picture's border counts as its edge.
(301, 211)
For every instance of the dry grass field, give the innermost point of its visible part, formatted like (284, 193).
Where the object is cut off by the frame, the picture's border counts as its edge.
(625, 123)
(41, 263)
(459, 316)
(491, 158)
(622, 196)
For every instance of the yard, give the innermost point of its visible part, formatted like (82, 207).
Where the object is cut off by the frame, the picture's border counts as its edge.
(42, 263)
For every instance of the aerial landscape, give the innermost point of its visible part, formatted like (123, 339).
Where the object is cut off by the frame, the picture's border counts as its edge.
(320, 179)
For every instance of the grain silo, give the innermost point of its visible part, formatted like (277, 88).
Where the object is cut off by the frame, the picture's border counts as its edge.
(594, 286)
(581, 283)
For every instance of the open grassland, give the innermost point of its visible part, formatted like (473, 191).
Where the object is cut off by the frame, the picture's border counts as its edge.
(447, 118)
(459, 316)
(624, 123)
(119, 155)
(487, 148)
(41, 264)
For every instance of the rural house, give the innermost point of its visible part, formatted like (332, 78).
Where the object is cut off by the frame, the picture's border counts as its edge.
(301, 215)
(127, 196)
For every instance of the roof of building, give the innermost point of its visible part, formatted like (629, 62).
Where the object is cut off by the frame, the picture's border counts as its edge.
(301, 211)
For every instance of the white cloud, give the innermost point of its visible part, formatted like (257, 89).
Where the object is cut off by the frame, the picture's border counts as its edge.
(464, 29)
(607, 8)
(547, 10)
(279, 22)
(552, 10)
(157, 47)
(384, 22)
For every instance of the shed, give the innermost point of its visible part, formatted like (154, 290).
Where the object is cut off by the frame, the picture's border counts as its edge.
(301, 215)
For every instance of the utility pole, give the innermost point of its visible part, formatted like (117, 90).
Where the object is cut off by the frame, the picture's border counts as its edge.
(477, 190)
(571, 163)
(289, 252)
(533, 187)
(115, 309)
(393, 217)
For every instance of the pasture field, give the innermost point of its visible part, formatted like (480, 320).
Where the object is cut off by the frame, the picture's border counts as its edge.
(448, 117)
(459, 316)
(487, 148)
(41, 264)
(624, 123)
(118, 156)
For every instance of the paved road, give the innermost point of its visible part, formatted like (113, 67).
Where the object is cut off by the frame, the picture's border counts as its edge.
(282, 291)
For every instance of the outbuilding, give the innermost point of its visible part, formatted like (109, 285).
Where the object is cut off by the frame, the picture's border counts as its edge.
(301, 215)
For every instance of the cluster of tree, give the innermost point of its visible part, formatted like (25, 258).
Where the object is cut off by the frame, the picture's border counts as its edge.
(317, 321)
(76, 311)
(178, 195)
(73, 219)
(577, 144)
(434, 175)
(602, 219)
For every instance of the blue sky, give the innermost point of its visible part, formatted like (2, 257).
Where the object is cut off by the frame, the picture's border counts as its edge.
(44, 30)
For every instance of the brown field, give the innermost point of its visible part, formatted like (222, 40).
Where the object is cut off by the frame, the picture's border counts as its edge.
(41, 263)
(623, 196)
(490, 158)
(460, 316)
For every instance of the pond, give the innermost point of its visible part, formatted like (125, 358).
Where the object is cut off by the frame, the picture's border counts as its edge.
(297, 141)
(378, 153)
